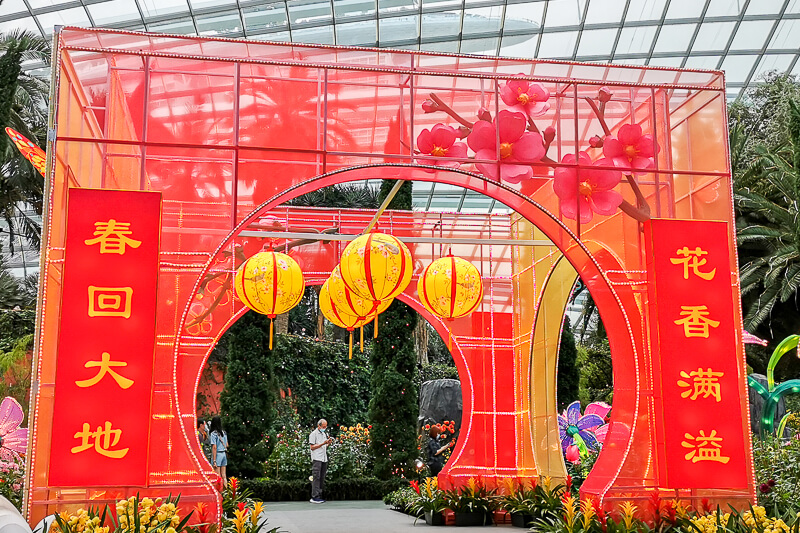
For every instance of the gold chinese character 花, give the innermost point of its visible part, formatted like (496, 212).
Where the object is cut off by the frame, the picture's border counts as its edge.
(704, 448)
(701, 382)
(113, 237)
(693, 260)
(695, 321)
(105, 365)
(110, 301)
(104, 439)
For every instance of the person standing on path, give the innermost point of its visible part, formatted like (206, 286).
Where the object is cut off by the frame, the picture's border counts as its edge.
(219, 449)
(318, 442)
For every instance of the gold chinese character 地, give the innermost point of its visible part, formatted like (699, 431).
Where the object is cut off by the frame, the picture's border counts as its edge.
(105, 365)
(692, 260)
(701, 382)
(110, 301)
(113, 237)
(704, 447)
(103, 441)
(695, 321)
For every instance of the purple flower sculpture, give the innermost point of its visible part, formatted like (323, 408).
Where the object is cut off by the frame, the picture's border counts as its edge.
(587, 431)
(13, 439)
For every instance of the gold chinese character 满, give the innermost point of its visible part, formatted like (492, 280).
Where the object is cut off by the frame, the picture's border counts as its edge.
(113, 237)
(695, 321)
(693, 260)
(704, 447)
(104, 440)
(105, 365)
(110, 301)
(701, 382)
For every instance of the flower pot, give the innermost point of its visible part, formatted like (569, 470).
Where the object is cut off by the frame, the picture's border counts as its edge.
(521, 519)
(434, 519)
(475, 518)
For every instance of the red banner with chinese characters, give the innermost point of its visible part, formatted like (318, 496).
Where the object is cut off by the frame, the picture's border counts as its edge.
(693, 336)
(103, 388)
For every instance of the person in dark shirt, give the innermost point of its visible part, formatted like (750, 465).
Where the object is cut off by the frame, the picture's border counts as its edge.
(435, 451)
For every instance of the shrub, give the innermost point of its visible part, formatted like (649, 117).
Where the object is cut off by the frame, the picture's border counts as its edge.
(402, 499)
(435, 371)
(777, 463)
(12, 478)
(340, 489)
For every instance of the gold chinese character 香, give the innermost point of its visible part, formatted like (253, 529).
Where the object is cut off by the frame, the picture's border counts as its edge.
(113, 237)
(103, 441)
(701, 382)
(695, 321)
(692, 260)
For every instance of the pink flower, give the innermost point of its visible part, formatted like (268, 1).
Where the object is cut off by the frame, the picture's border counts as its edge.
(440, 141)
(589, 188)
(604, 94)
(518, 148)
(631, 149)
(13, 439)
(573, 455)
(526, 97)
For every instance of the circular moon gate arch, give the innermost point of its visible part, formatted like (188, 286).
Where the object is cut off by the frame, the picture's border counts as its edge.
(529, 368)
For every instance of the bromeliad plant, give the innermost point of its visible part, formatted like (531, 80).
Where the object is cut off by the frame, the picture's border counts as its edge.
(473, 498)
(133, 515)
(429, 498)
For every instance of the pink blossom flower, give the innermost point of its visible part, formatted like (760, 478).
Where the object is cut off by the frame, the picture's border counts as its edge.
(440, 141)
(13, 439)
(573, 455)
(631, 149)
(589, 188)
(518, 148)
(526, 97)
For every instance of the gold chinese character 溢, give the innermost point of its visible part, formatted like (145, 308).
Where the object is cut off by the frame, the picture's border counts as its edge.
(104, 439)
(110, 301)
(105, 365)
(704, 448)
(113, 237)
(701, 382)
(695, 321)
(692, 260)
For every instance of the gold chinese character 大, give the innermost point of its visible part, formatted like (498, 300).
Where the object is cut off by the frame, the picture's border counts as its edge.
(110, 301)
(103, 440)
(695, 321)
(113, 237)
(701, 383)
(692, 260)
(704, 447)
(105, 367)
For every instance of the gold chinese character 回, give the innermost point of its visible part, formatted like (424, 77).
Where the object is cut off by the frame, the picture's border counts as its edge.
(104, 439)
(692, 260)
(701, 382)
(113, 237)
(110, 301)
(695, 321)
(105, 365)
(704, 448)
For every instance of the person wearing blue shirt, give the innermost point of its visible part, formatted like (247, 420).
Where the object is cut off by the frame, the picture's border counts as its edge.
(219, 449)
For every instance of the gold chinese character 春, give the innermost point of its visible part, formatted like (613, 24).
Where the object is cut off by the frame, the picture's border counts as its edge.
(701, 382)
(693, 260)
(103, 440)
(105, 365)
(704, 448)
(113, 237)
(695, 321)
(110, 301)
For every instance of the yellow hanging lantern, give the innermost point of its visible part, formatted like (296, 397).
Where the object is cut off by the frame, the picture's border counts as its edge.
(351, 303)
(270, 283)
(450, 287)
(337, 316)
(377, 267)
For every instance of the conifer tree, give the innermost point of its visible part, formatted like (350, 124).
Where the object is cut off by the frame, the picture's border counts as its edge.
(568, 373)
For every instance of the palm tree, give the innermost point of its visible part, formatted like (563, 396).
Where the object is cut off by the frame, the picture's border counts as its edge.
(23, 106)
(767, 196)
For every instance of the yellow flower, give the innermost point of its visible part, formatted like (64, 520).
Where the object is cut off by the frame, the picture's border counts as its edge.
(257, 507)
(628, 511)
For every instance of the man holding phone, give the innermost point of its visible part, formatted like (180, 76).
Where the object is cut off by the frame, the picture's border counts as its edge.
(319, 441)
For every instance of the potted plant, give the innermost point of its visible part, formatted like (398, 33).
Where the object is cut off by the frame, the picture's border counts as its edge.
(519, 502)
(473, 504)
(430, 503)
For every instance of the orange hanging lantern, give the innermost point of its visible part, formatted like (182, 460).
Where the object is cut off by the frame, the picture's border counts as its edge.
(450, 287)
(338, 316)
(270, 283)
(351, 303)
(377, 267)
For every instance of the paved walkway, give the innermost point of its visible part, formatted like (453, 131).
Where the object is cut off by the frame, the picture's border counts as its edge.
(350, 517)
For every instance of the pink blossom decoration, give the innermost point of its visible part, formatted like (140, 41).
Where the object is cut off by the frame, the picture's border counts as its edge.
(573, 454)
(440, 141)
(589, 188)
(13, 439)
(631, 149)
(527, 97)
(518, 148)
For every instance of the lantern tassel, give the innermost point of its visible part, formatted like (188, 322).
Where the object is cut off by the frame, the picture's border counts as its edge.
(375, 336)
(362, 338)
(450, 340)
(351, 344)
(271, 329)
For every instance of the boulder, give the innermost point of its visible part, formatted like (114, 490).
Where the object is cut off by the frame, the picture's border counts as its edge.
(757, 405)
(440, 399)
